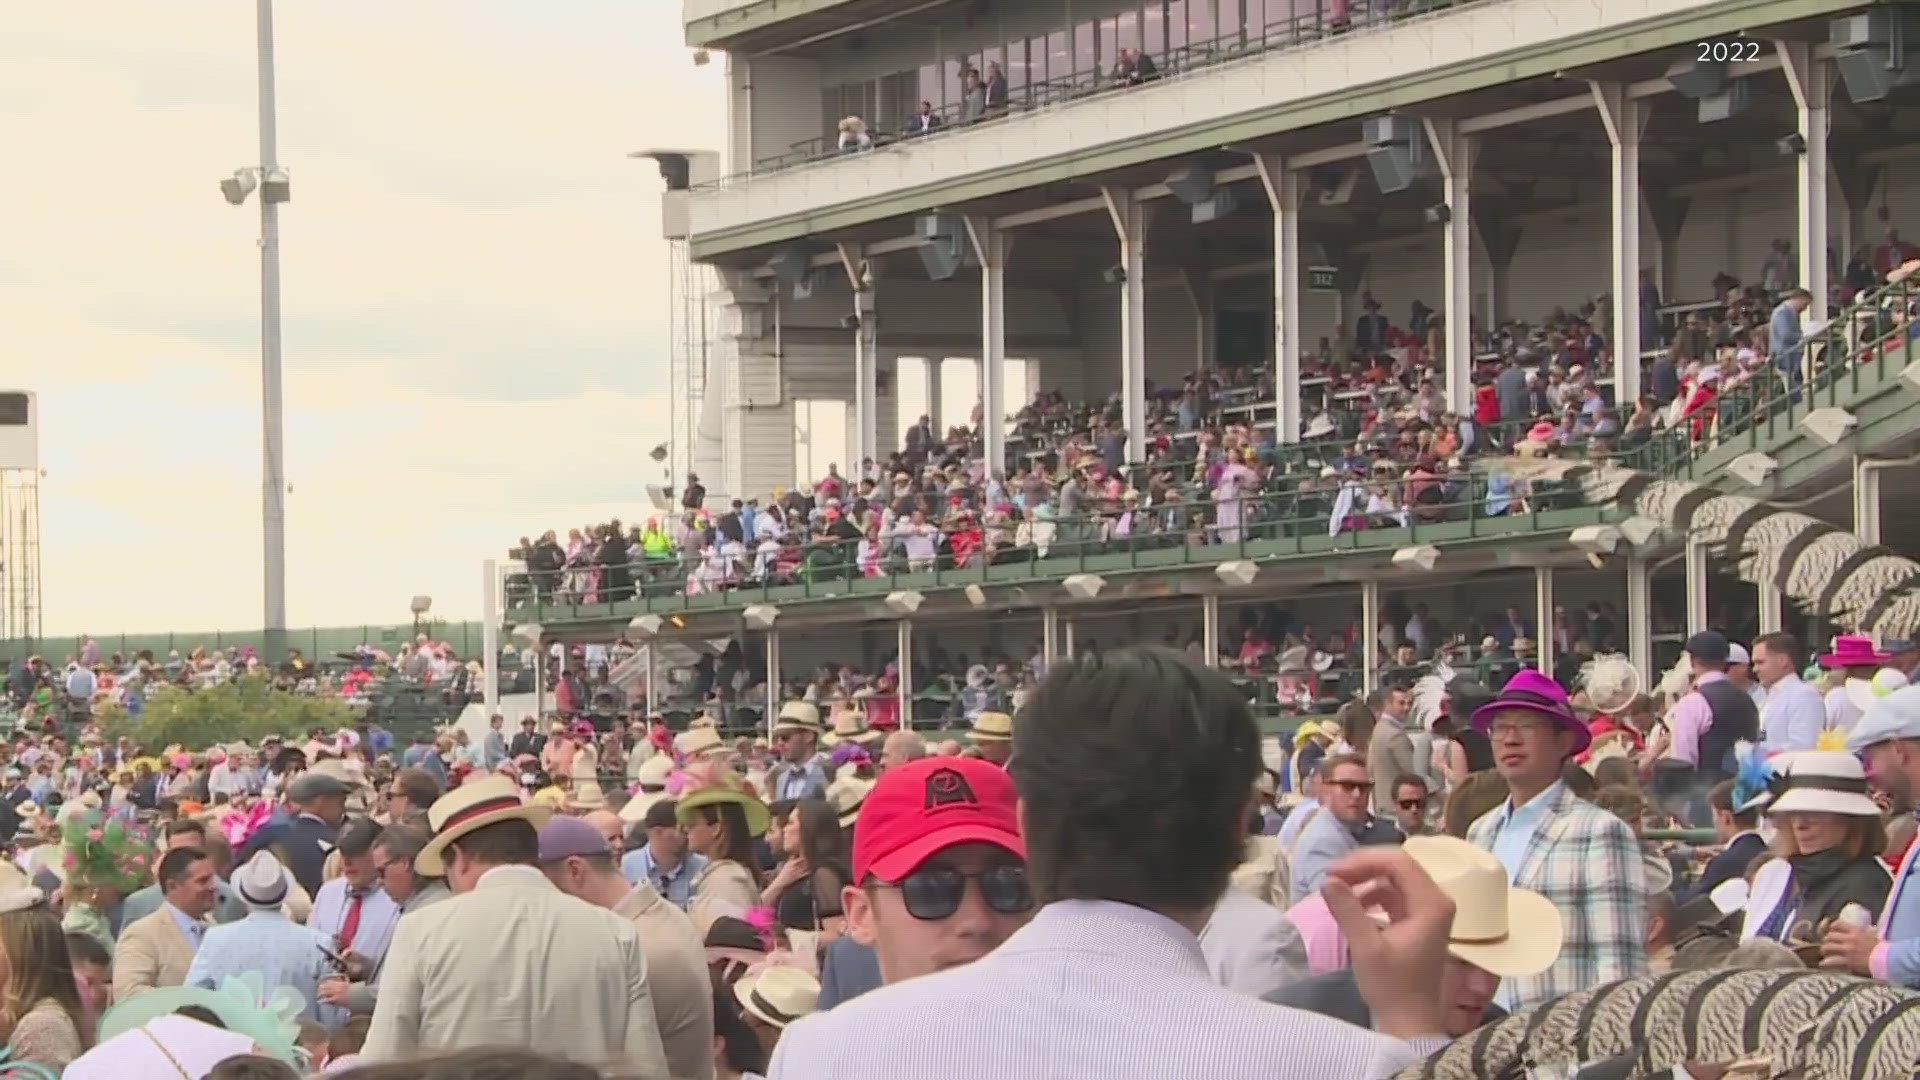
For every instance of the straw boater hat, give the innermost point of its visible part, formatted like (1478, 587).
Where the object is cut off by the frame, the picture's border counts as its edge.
(1824, 782)
(652, 779)
(779, 995)
(797, 716)
(473, 806)
(850, 725)
(992, 727)
(697, 742)
(848, 793)
(262, 883)
(1507, 931)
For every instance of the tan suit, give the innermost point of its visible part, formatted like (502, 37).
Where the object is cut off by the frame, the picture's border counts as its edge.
(1263, 872)
(152, 952)
(720, 890)
(677, 976)
(516, 962)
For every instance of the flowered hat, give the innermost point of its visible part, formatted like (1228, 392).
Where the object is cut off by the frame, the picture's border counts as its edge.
(98, 851)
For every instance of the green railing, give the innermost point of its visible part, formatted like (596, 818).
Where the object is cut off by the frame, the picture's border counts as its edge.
(312, 641)
(1293, 522)
(1096, 81)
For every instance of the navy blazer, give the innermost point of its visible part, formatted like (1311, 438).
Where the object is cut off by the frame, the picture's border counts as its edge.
(1728, 865)
(302, 846)
(847, 970)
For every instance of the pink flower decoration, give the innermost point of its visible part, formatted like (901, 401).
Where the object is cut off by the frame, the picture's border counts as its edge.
(94, 835)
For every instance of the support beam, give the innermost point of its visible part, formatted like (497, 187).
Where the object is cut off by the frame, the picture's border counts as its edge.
(905, 682)
(1544, 646)
(1500, 239)
(1049, 635)
(1696, 571)
(540, 680)
(653, 679)
(773, 681)
(1129, 216)
(1771, 607)
(1369, 636)
(1454, 153)
(1640, 614)
(1866, 499)
(866, 359)
(1625, 121)
(1199, 289)
(1668, 212)
(1283, 197)
(490, 634)
(1210, 628)
(990, 246)
(1066, 639)
(1811, 80)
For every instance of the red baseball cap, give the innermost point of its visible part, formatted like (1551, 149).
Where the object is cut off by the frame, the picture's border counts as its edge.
(923, 808)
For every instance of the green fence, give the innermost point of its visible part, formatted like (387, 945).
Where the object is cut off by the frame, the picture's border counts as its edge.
(313, 641)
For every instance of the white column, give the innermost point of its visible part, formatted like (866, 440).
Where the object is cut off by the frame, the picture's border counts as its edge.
(990, 247)
(1625, 121)
(1866, 499)
(905, 686)
(866, 360)
(540, 680)
(1770, 608)
(653, 678)
(1640, 615)
(1199, 289)
(1454, 153)
(1130, 225)
(490, 633)
(773, 680)
(1369, 635)
(1543, 618)
(1210, 628)
(1283, 196)
(1050, 635)
(1066, 639)
(1696, 560)
(934, 367)
(1811, 80)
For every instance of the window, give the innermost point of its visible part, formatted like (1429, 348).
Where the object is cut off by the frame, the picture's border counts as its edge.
(1059, 57)
(1022, 58)
(1201, 27)
(1086, 56)
(1020, 381)
(821, 428)
(950, 82)
(929, 87)
(959, 392)
(1128, 30)
(911, 380)
(1176, 25)
(1107, 46)
(1153, 31)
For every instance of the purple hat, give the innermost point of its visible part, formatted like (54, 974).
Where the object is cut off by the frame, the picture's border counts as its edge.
(1535, 693)
(571, 837)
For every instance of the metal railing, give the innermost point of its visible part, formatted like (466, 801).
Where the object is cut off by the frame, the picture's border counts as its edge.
(1329, 18)
(1294, 521)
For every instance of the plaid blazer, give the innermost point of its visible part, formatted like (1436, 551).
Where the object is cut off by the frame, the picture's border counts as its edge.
(1587, 862)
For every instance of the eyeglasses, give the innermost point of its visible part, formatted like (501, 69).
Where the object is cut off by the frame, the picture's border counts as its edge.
(935, 893)
(1412, 804)
(1353, 785)
(1517, 729)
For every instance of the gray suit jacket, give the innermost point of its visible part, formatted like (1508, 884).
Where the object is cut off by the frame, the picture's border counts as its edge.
(516, 962)
(1335, 994)
(362, 995)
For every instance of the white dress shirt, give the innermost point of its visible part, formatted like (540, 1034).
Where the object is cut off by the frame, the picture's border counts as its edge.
(378, 916)
(1064, 998)
(1794, 716)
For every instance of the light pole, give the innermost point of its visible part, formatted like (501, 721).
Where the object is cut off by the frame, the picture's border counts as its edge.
(271, 181)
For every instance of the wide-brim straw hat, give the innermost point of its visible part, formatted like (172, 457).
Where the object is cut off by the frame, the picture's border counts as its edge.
(797, 716)
(778, 995)
(991, 727)
(473, 806)
(850, 725)
(1507, 931)
(758, 817)
(848, 793)
(697, 741)
(1823, 782)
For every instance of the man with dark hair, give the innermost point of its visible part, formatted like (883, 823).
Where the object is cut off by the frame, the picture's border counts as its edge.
(393, 853)
(509, 960)
(1135, 772)
(1793, 714)
(185, 833)
(352, 910)
(410, 789)
(301, 843)
(1737, 830)
(158, 950)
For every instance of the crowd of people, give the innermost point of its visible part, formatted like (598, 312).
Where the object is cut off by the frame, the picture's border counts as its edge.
(844, 901)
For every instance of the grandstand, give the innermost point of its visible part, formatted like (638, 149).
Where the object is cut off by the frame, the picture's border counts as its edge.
(1317, 236)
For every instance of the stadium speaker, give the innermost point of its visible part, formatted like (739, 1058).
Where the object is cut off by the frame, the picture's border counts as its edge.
(1728, 103)
(1791, 145)
(1114, 275)
(1696, 79)
(792, 263)
(1871, 74)
(1083, 586)
(1394, 168)
(1191, 185)
(803, 289)
(1390, 129)
(1221, 205)
(760, 616)
(849, 322)
(1437, 214)
(941, 258)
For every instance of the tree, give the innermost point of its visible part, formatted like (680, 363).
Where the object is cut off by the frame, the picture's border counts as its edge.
(246, 708)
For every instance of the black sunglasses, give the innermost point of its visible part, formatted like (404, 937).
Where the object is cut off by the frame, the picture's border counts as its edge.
(935, 893)
(1412, 804)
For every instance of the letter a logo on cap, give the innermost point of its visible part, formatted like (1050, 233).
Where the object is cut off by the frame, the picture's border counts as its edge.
(946, 787)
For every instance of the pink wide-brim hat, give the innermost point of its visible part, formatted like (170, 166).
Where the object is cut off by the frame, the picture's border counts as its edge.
(1854, 650)
(1535, 693)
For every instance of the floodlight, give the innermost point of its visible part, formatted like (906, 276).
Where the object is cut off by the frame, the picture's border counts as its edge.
(1595, 539)
(1753, 468)
(905, 602)
(1420, 557)
(1238, 574)
(760, 616)
(1829, 425)
(648, 625)
(1084, 586)
(237, 187)
(421, 605)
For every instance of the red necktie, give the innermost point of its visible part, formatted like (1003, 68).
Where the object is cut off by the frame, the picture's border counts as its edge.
(352, 925)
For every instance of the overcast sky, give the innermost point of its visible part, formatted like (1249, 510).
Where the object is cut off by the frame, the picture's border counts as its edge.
(475, 292)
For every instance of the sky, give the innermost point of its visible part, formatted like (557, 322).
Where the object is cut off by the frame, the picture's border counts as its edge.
(474, 292)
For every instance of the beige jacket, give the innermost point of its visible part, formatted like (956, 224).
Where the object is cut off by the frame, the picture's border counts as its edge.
(152, 952)
(721, 889)
(677, 976)
(516, 962)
